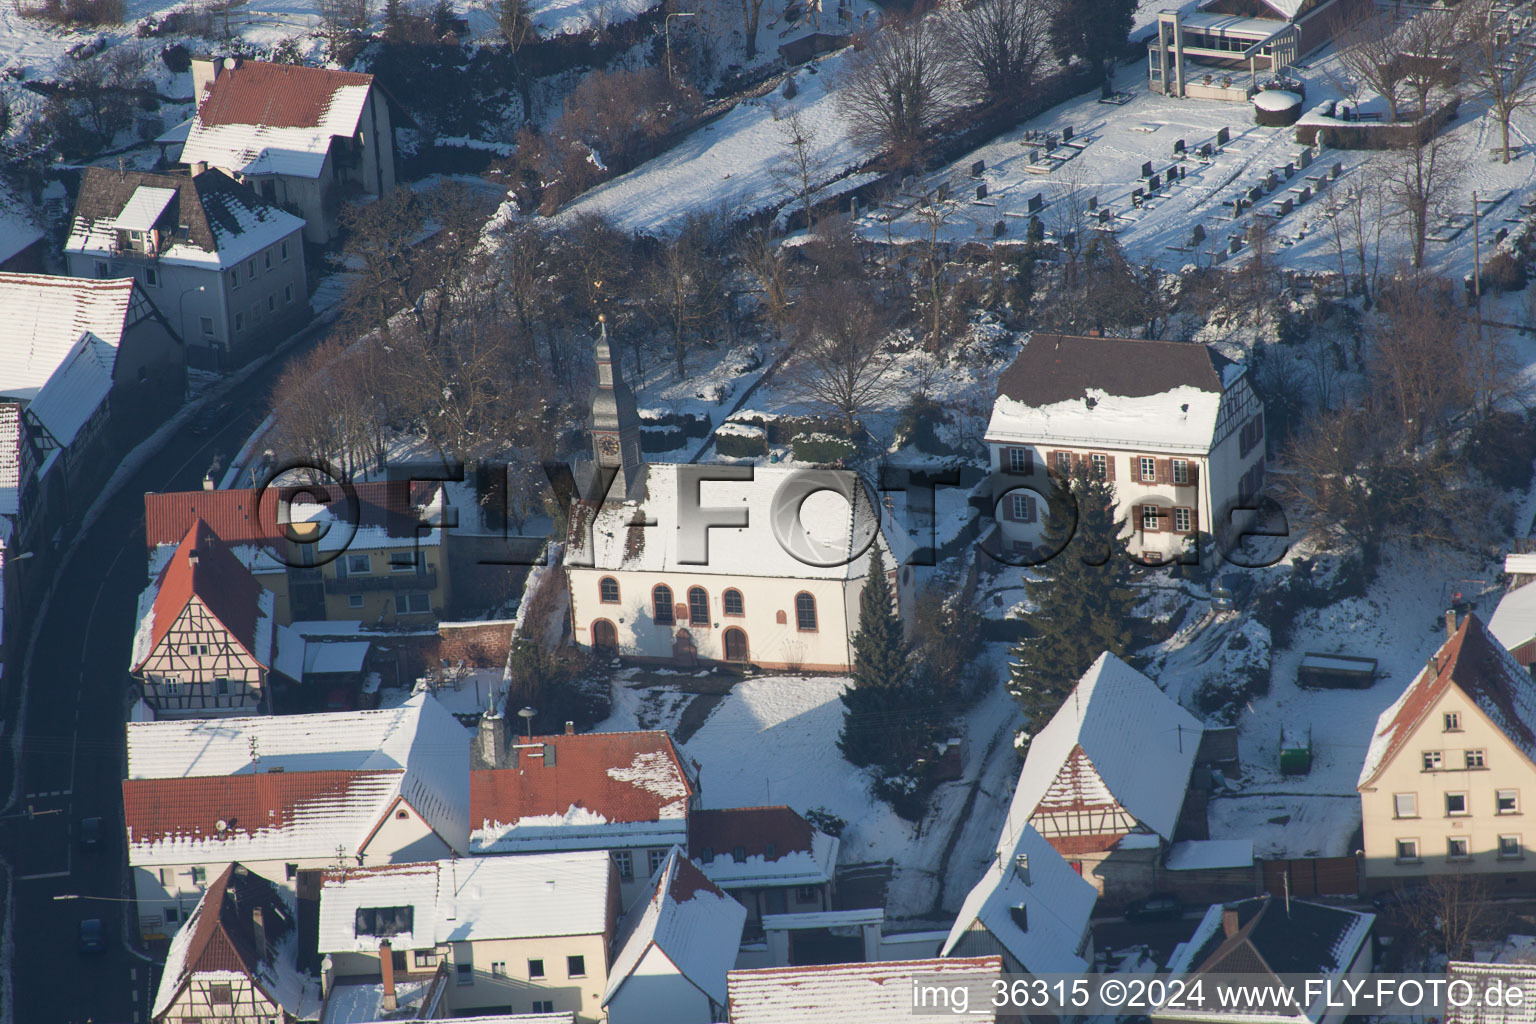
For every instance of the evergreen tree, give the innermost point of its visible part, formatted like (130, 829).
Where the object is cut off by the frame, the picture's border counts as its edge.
(880, 655)
(1093, 30)
(1083, 603)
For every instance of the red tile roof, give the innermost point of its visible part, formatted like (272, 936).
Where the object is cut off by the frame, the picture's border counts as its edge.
(190, 809)
(277, 95)
(249, 516)
(752, 828)
(1477, 664)
(216, 577)
(623, 776)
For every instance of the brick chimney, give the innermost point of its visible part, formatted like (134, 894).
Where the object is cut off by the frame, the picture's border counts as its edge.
(570, 728)
(492, 740)
(1450, 623)
(1229, 921)
(387, 1002)
(259, 932)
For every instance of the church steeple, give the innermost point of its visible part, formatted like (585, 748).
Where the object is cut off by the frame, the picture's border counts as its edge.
(615, 422)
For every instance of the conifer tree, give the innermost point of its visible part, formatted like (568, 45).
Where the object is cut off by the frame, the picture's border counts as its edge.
(1083, 601)
(880, 654)
(886, 723)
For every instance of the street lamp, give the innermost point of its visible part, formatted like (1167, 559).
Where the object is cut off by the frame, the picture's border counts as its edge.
(526, 714)
(181, 309)
(667, 31)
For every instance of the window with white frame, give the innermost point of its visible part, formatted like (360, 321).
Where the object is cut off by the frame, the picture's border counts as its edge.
(1021, 508)
(152, 277)
(283, 249)
(1455, 804)
(1458, 848)
(1148, 468)
(1507, 801)
(413, 603)
(1179, 468)
(359, 565)
(1149, 517)
(205, 323)
(498, 968)
(354, 600)
(1181, 520)
(1407, 850)
(543, 1006)
(1452, 721)
(1100, 464)
(1020, 460)
(1064, 463)
(1405, 805)
(1509, 848)
(654, 859)
(625, 862)
(1432, 760)
(1475, 759)
(575, 967)
(535, 969)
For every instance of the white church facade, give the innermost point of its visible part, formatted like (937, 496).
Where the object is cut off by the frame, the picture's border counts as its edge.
(689, 564)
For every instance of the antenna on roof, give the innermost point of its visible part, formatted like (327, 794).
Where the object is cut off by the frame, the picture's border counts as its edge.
(255, 753)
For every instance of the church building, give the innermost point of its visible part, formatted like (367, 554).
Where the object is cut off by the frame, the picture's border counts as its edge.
(687, 564)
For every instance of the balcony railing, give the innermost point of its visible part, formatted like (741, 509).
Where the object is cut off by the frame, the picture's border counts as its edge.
(413, 581)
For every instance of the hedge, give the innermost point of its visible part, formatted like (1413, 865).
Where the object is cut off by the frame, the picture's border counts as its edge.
(820, 448)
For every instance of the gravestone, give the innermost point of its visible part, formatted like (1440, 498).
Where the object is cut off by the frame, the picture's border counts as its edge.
(1069, 241)
(1305, 159)
(1036, 203)
(1223, 136)
(1154, 182)
(1034, 155)
(1336, 170)
(1093, 203)
(1235, 243)
(1066, 134)
(1290, 169)
(1146, 169)
(1178, 148)
(999, 229)
(1205, 151)
(1104, 216)
(1197, 235)
(981, 191)
(977, 168)
(1050, 142)
(944, 192)
(1286, 206)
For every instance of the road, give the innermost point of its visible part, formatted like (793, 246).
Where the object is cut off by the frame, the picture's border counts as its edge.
(72, 753)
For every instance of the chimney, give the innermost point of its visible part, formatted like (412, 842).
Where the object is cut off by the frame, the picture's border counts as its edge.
(570, 728)
(1021, 867)
(1450, 623)
(387, 1003)
(198, 167)
(327, 976)
(192, 557)
(259, 932)
(492, 740)
(1229, 921)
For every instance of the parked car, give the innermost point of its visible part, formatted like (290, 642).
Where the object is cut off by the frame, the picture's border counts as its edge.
(90, 832)
(1230, 591)
(1160, 906)
(92, 938)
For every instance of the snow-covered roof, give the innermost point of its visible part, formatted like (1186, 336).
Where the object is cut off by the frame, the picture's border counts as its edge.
(468, 900)
(1290, 937)
(275, 118)
(1514, 621)
(1521, 563)
(744, 847)
(298, 656)
(830, 540)
(144, 208)
(316, 782)
(207, 220)
(1116, 392)
(1040, 915)
(1275, 100)
(76, 390)
(1478, 665)
(690, 921)
(1205, 854)
(10, 462)
(594, 789)
(1137, 745)
(219, 942)
(361, 1002)
(18, 231)
(1490, 986)
(45, 316)
(868, 993)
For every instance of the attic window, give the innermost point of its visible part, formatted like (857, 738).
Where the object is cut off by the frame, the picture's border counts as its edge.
(739, 855)
(382, 922)
(707, 855)
(402, 814)
(771, 851)
(1020, 915)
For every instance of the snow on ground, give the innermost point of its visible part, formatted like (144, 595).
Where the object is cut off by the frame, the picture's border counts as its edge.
(728, 164)
(1400, 623)
(773, 740)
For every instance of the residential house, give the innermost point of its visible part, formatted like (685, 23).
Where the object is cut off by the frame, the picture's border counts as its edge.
(368, 552)
(1176, 427)
(305, 138)
(872, 993)
(22, 242)
(120, 371)
(773, 581)
(204, 642)
(1233, 40)
(1489, 985)
(625, 792)
(1106, 780)
(1513, 622)
(1031, 908)
(769, 858)
(1264, 937)
(1450, 765)
(225, 267)
(235, 958)
(675, 950)
(515, 934)
(287, 796)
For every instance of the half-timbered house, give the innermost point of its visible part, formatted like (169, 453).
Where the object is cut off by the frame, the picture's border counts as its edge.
(205, 637)
(1106, 780)
(235, 959)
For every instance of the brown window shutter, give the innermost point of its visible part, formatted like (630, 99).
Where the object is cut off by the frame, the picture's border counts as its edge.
(1007, 512)
(1194, 472)
(1164, 472)
(1029, 508)
(1109, 462)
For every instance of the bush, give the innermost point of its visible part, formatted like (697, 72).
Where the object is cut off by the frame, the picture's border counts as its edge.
(661, 439)
(1501, 449)
(177, 58)
(917, 423)
(743, 442)
(1504, 273)
(823, 820)
(820, 448)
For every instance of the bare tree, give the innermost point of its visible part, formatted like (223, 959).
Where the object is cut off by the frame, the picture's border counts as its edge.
(801, 166)
(1430, 46)
(1500, 67)
(841, 363)
(1000, 45)
(1355, 223)
(751, 14)
(900, 85)
(1452, 908)
(1419, 180)
(382, 239)
(684, 283)
(764, 264)
(1417, 349)
(514, 20)
(1369, 53)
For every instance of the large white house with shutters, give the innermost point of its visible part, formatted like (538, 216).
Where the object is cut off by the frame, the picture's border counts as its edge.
(1175, 426)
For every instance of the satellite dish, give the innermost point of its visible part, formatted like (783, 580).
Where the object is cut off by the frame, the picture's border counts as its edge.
(220, 825)
(229, 63)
